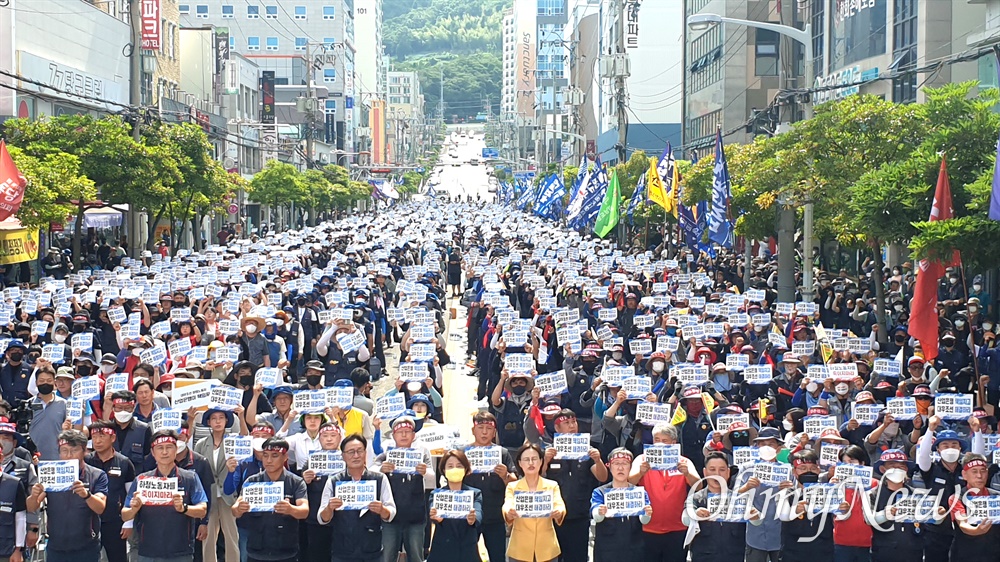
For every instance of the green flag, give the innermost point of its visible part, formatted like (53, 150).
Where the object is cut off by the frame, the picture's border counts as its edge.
(607, 219)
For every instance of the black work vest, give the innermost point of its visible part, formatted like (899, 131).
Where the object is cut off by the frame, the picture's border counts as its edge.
(8, 506)
(272, 534)
(355, 536)
(132, 443)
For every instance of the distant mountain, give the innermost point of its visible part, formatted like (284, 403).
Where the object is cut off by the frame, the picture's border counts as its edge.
(462, 38)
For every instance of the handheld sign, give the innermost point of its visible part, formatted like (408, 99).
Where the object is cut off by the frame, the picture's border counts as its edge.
(737, 361)
(309, 401)
(730, 507)
(953, 406)
(390, 406)
(829, 454)
(452, 504)
(58, 476)
(326, 463)
(339, 397)
(351, 341)
(843, 371)
(551, 384)
(484, 459)
(192, 393)
(613, 376)
(355, 495)
(902, 408)
(532, 504)
(865, 414)
(640, 346)
(165, 418)
(887, 367)
(823, 498)
(262, 496)
(692, 373)
(156, 490)
(744, 455)
(626, 502)
(116, 382)
(75, 410)
(413, 372)
(652, 413)
(268, 377)
(662, 457)
(238, 446)
(575, 446)
(226, 398)
(723, 422)
(814, 425)
(519, 363)
(422, 352)
(636, 388)
(757, 374)
(87, 388)
(915, 508)
(404, 460)
(853, 474)
(772, 473)
(83, 342)
(54, 353)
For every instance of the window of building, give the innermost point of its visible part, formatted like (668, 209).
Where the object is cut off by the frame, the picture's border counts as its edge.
(766, 52)
(300, 12)
(228, 12)
(253, 43)
(331, 107)
(904, 50)
(329, 42)
(253, 12)
(300, 43)
(272, 43)
(201, 11)
(703, 128)
(550, 7)
(271, 12)
(184, 9)
(329, 75)
(232, 42)
(329, 12)
(818, 21)
(705, 66)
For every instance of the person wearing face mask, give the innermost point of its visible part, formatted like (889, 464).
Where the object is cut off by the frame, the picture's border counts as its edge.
(763, 541)
(120, 473)
(942, 476)
(899, 340)
(808, 394)
(252, 341)
(693, 426)
(48, 415)
(132, 436)
(82, 325)
(15, 372)
(805, 536)
(838, 403)
(656, 367)
(975, 540)
(510, 401)
(313, 376)
(893, 541)
(244, 469)
(455, 540)
(949, 355)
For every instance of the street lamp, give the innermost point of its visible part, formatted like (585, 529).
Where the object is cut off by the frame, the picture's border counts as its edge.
(786, 235)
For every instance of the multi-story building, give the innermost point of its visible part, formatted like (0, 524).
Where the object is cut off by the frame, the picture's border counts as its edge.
(289, 39)
(369, 72)
(732, 72)
(507, 91)
(406, 115)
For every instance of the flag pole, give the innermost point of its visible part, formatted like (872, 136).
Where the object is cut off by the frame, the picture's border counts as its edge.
(965, 287)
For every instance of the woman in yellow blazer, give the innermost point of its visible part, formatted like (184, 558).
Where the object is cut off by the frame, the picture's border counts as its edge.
(532, 539)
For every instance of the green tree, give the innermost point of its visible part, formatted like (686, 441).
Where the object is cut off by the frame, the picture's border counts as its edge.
(54, 182)
(278, 185)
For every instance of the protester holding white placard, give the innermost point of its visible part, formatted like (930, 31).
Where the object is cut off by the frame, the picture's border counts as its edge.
(813, 536)
(667, 489)
(618, 538)
(134, 436)
(275, 532)
(721, 536)
(455, 540)
(532, 538)
(895, 536)
(356, 534)
(407, 528)
(72, 514)
(220, 516)
(120, 473)
(492, 482)
(764, 542)
(166, 528)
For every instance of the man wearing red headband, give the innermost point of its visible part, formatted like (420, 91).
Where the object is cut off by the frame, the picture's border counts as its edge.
(238, 472)
(317, 543)
(166, 528)
(274, 535)
(120, 474)
(977, 539)
(492, 484)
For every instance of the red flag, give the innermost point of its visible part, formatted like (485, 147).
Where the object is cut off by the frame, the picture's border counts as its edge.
(12, 184)
(923, 313)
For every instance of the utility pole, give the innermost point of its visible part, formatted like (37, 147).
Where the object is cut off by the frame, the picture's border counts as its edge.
(441, 97)
(310, 107)
(620, 74)
(134, 100)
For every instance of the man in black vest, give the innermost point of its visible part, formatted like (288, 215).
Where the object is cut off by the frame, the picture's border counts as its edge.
(407, 527)
(74, 515)
(13, 517)
(133, 436)
(356, 534)
(121, 473)
(493, 485)
(274, 535)
(166, 526)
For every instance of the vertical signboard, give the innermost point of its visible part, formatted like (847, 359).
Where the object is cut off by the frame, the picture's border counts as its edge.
(525, 51)
(151, 24)
(267, 97)
(632, 24)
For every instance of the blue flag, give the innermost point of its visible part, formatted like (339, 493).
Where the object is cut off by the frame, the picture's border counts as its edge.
(720, 229)
(526, 197)
(637, 196)
(431, 192)
(552, 190)
(592, 197)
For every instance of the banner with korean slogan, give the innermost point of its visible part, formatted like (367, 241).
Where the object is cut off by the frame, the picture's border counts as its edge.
(772, 473)
(355, 495)
(179, 347)
(268, 377)
(691, 373)
(744, 455)
(413, 372)
(662, 457)
(340, 397)
(640, 346)
(437, 439)
(58, 476)
(758, 374)
(572, 446)
(54, 353)
(533, 504)
(351, 341)
(853, 474)
(452, 504)
(115, 383)
(83, 343)
(636, 388)
(737, 361)
(829, 454)
(484, 459)
(902, 408)
(403, 460)
(227, 354)
(846, 372)
(238, 446)
(519, 363)
(729, 507)
(192, 393)
(814, 425)
(723, 422)
(156, 490)
(652, 413)
(953, 407)
(155, 356)
(551, 384)
(326, 463)
(823, 498)
(915, 508)
(166, 418)
(422, 352)
(224, 397)
(390, 406)
(309, 401)
(263, 496)
(865, 414)
(75, 409)
(87, 388)
(625, 502)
